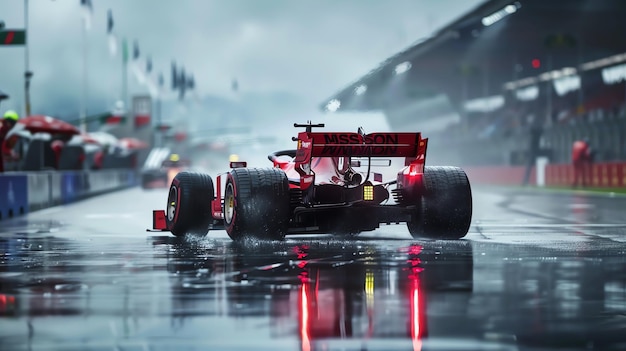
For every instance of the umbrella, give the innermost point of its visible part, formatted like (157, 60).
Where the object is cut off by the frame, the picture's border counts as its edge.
(20, 131)
(133, 144)
(89, 144)
(47, 124)
(83, 138)
(104, 138)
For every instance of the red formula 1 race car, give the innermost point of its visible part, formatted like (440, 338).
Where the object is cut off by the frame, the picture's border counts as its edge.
(316, 189)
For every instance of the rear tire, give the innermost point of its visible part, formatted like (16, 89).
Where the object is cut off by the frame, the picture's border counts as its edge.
(188, 208)
(256, 203)
(445, 209)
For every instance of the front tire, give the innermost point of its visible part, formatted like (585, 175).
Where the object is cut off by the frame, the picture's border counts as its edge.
(188, 208)
(445, 209)
(256, 203)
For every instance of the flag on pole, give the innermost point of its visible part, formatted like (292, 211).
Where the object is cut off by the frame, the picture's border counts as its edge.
(135, 50)
(87, 8)
(143, 79)
(191, 83)
(111, 35)
(174, 76)
(182, 78)
(182, 84)
(110, 22)
(124, 51)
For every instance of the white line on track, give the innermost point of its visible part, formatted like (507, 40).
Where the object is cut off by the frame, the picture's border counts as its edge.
(108, 215)
(547, 225)
(48, 211)
(580, 206)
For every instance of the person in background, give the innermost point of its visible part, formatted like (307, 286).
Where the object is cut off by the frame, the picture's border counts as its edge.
(98, 160)
(581, 161)
(9, 121)
(535, 131)
(57, 147)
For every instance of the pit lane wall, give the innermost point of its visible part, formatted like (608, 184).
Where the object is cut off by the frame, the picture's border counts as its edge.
(22, 192)
(603, 175)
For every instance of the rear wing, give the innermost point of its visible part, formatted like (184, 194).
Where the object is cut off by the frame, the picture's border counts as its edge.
(408, 145)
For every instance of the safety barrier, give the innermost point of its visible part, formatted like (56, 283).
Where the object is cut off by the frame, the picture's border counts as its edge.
(13, 196)
(499, 175)
(603, 175)
(30, 191)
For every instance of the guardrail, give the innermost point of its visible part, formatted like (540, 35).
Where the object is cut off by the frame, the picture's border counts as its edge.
(601, 174)
(22, 192)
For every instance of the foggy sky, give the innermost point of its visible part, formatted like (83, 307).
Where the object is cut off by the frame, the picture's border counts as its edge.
(309, 48)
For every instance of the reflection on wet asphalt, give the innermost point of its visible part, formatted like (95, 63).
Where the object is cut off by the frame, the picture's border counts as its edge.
(537, 271)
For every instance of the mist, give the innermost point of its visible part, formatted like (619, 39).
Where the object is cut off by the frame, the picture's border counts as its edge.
(279, 51)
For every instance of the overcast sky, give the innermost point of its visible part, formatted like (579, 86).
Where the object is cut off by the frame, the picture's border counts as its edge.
(310, 48)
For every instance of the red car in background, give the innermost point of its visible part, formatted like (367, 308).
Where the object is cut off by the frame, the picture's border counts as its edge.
(162, 175)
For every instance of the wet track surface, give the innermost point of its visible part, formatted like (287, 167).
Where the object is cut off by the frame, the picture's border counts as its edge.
(537, 271)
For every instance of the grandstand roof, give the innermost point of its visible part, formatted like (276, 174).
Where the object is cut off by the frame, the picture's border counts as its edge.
(468, 59)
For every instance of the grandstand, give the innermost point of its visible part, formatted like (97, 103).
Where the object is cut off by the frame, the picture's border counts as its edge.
(480, 85)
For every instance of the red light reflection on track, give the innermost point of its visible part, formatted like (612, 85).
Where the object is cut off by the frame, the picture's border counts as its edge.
(414, 261)
(416, 332)
(308, 299)
(415, 249)
(304, 322)
(414, 272)
(302, 252)
(7, 302)
(6, 299)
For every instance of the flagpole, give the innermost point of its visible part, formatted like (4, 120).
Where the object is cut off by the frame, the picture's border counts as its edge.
(159, 132)
(125, 74)
(114, 93)
(27, 73)
(83, 108)
(112, 44)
